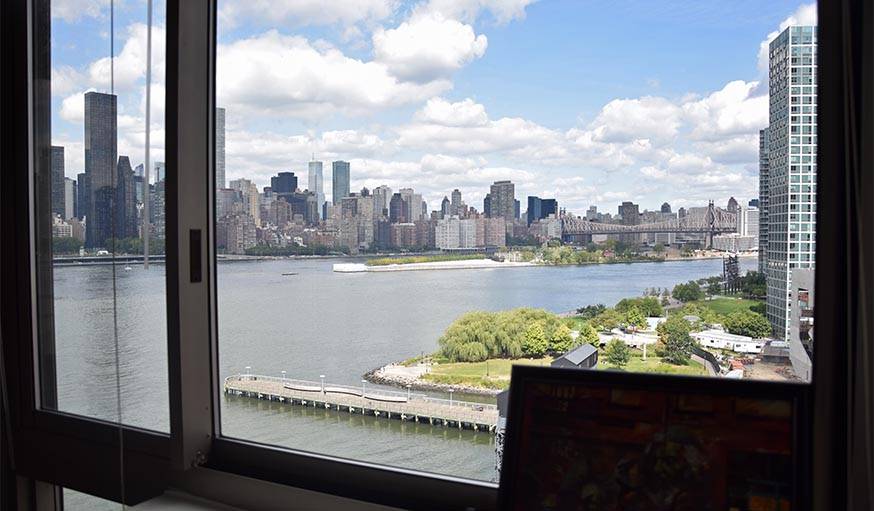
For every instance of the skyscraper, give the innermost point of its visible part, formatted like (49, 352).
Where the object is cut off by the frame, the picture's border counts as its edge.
(763, 200)
(125, 201)
(445, 208)
(455, 203)
(339, 181)
(283, 182)
(791, 194)
(503, 200)
(381, 199)
(70, 205)
(397, 210)
(58, 181)
(83, 195)
(100, 165)
(666, 208)
(316, 181)
(219, 148)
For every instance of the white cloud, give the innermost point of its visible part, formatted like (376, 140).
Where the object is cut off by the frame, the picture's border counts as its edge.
(427, 47)
(502, 11)
(130, 63)
(304, 12)
(74, 10)
(738, 108)
(804, 15)
(73, 108)
(65, 79)
(277, 75)
(463, 113)
(624, 120)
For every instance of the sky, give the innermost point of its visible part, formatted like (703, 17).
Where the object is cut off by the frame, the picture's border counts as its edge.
(591, 102)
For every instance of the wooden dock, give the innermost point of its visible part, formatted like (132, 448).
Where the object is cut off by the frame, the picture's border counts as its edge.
(384, 404)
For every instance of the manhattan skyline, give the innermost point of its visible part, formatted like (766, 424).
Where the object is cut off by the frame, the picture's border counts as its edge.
(611, 127)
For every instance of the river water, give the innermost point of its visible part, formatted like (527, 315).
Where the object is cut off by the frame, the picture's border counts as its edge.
(311, 323)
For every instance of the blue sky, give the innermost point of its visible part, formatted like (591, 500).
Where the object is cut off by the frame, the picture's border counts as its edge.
(593, 102)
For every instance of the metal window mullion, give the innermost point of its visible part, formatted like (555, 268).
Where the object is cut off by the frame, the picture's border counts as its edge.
(189, 181)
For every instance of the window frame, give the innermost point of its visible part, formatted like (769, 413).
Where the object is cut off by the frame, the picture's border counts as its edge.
(194, 456)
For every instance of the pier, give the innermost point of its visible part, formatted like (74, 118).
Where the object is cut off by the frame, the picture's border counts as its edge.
(383, 404)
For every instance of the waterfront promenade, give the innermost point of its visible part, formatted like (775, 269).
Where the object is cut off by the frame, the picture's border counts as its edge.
(385, 404)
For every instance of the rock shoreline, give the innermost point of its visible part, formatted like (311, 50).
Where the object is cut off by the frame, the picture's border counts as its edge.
(379, 376)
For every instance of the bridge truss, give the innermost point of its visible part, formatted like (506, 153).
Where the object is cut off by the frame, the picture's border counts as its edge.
(714, 221)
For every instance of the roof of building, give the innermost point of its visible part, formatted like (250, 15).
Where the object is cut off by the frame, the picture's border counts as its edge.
(577, 356)
(722, 336)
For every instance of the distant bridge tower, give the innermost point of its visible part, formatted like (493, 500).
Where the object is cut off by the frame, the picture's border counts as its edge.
(711, 223)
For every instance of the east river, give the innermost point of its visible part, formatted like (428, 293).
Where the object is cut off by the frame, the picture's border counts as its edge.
(307, 324)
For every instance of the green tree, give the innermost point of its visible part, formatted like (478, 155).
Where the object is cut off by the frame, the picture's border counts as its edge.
(634, 319)
(66, 245)
(617, 353)
(590, 311)
(607, 320)
(589, 335)
(747, 322)
(649, 306)
(676, 341)
(714, 288)
(535, 343)
(562, 340)
(658, 249)
(688, 292)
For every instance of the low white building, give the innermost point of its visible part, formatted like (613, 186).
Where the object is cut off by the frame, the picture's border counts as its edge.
(725, 341)
(735, 242)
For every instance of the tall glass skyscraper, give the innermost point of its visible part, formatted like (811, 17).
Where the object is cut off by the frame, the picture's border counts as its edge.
(100, 165)
(791, 191)
(764, 182)
(339, 181)
(219, 148)
(316, 182)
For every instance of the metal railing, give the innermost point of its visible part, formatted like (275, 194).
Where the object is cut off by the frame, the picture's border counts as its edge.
(362, 391)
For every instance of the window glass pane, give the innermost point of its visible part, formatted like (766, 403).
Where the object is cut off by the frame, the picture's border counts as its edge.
(102, 299)
(600, 207)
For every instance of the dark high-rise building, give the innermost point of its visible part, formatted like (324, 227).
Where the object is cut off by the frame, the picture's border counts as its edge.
(503, 200)
(732, 205)
(125, 201)
(455, 204)
(339, 181)
(630, 213)
(58, 200)
(753, 203)
(397, 209)
(517, 209)
(533, 213)
(101, 162)
(540, 208)
(445, 208)
(83, 196)
(548, 207)
(284, 182)
(666, 208)
(487, 205)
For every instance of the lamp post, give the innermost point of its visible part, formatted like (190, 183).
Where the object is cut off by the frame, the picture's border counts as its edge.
(408, 392)
(283, 376)
(322, 377)
(363, 388)
(450, 398)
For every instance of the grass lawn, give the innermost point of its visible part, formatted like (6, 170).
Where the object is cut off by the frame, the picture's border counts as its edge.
(653, 364)
(493, 373)
(727, 305)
